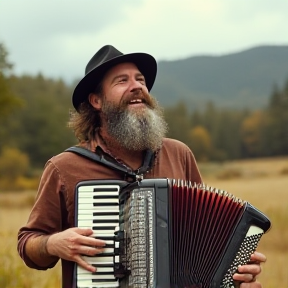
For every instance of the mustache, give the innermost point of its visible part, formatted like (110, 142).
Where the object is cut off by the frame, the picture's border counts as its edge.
(145, 97)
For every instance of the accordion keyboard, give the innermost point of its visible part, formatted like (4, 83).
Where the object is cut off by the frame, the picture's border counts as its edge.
(98, 209)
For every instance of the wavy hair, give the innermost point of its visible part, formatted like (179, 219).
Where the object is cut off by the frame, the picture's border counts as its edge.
(85, 122)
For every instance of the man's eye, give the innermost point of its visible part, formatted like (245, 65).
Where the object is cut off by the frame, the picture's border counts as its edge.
(122, 80)
(142, 80)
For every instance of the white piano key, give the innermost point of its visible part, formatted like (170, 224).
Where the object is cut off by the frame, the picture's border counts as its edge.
(90, 206)
(93, 211)
(97, 217)
(98, 260)
(98, 234)
(110, 242)
(99, 269)
(103, 186)
(90, 223)
(98, 193)
(96, 276)
(90, 284)
(104, 200)
(108, 250)
(84, 283)
(109, 233)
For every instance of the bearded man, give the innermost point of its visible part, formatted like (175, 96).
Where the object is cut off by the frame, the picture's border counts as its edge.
(117, 119)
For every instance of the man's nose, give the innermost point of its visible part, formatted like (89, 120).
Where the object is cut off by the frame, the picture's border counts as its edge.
(135, 85)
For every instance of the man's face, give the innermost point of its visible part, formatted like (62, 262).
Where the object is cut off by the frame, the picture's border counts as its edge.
(124, 85)
(128, 112)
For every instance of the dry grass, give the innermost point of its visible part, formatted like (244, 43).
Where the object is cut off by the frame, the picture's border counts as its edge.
(13, 272)
(264, 185)
(261, 182)
(256, 168)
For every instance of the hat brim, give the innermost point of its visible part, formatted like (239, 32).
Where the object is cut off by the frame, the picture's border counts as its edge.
(145, 63)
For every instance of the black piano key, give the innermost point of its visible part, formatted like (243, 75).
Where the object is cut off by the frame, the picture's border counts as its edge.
(102, 273)
(105, 221)
(105, 213)
(106, 189)
(109, 245)
(105, 197)
(106, 204)
(106, 237)
(102, 228)
(105, 255)
(107, 265)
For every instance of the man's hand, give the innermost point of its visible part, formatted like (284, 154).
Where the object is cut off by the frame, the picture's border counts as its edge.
(247, 273)
(74, 242)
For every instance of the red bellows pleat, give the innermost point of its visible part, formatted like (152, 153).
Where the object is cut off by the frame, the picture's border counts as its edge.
(201, 224)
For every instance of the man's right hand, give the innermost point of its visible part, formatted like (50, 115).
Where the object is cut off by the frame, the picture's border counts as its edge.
(70, 244)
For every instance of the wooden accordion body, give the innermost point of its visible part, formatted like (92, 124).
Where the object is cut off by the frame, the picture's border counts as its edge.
(163, 233)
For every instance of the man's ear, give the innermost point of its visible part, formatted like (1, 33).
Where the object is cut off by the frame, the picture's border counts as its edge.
(95, 100)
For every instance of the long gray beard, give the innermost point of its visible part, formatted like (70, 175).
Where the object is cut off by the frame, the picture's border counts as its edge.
(135, 130)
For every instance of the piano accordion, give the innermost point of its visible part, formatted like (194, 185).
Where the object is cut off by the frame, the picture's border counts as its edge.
(165, 233)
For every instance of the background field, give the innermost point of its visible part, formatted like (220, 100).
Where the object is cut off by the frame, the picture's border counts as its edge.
(262, 182)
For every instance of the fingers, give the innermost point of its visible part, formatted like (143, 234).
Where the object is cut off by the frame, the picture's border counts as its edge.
(85, 250)
(89, 240)
(72, 243)
(255, 284)
(258, 257)
(83, 231)
(253, 269)
(81, 262)
(246, 278)
(247, 273)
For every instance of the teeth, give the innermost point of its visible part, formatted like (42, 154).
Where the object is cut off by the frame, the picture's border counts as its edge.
(136, 101)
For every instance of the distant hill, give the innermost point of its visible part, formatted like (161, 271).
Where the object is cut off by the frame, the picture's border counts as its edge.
(238, 80)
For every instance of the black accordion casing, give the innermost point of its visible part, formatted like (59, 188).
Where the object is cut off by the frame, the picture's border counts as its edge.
(176, 234)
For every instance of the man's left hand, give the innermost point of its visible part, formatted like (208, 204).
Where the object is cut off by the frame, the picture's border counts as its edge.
(246, 274)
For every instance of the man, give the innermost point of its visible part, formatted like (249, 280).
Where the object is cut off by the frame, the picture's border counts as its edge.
(117, 119)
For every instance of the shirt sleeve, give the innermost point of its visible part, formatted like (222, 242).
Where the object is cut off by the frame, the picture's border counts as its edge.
(192, 170)
(46, 215)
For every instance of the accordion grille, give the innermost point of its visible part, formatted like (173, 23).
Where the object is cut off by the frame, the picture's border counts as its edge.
(138, 225)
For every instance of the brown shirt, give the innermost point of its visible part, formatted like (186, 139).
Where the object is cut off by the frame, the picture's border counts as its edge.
(54, 208)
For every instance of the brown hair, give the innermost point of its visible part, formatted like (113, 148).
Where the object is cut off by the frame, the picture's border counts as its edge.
(86, 120)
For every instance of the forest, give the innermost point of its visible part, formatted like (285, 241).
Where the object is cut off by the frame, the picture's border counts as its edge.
(34, 111)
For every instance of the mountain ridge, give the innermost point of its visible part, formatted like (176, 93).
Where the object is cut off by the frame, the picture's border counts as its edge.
(242, 79)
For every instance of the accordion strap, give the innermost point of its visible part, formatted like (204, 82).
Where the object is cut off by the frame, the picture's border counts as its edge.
(105, 159)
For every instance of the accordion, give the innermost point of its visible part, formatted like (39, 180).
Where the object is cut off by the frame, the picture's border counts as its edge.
(165, 233)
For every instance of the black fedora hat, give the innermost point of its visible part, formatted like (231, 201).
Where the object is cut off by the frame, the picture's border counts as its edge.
(107, 57)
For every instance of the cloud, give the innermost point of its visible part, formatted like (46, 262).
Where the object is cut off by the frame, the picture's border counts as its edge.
(59, 37)
(48, 35)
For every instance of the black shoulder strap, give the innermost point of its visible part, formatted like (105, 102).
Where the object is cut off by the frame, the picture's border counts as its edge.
(95, 157)
(105, 159)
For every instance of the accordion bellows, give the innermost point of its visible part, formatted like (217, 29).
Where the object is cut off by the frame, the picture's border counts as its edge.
(175, 234)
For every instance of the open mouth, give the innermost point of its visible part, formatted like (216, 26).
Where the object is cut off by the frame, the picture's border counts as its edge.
(137, 101)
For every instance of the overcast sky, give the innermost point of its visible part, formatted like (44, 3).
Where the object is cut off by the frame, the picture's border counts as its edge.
(58, 37)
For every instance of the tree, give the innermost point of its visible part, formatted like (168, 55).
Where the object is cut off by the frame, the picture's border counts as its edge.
(277, 114)
(178, 120)
(8, 100)
(200, 143)
(252, 133)
(40, 129)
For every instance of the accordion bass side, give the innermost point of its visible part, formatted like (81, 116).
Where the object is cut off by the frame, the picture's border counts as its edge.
(172, 233)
